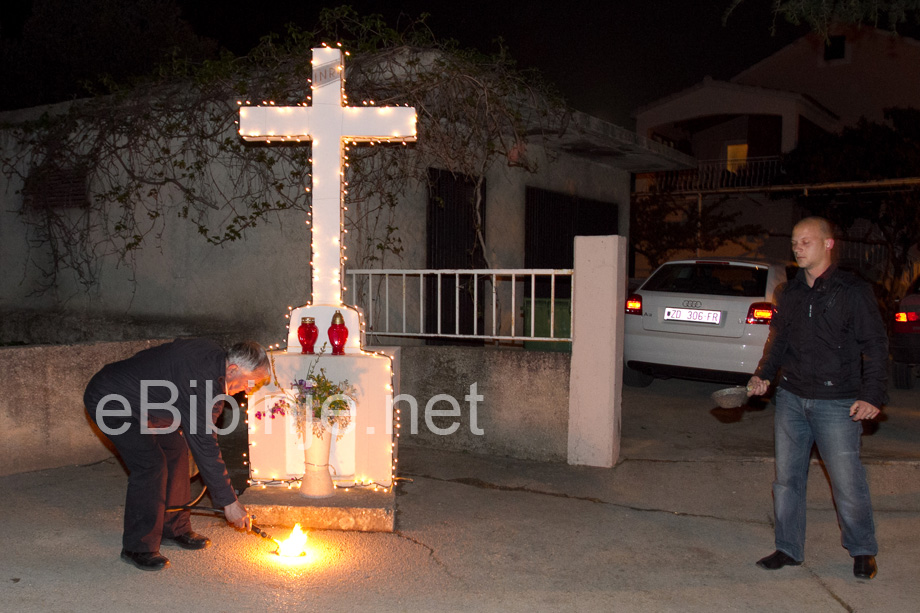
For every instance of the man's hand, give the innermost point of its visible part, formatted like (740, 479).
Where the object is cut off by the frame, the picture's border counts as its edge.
(237, 515)
(863, 410)
(757, 386)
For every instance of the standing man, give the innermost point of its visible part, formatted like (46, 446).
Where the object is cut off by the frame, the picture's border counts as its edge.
(154, 407)
(828, 337)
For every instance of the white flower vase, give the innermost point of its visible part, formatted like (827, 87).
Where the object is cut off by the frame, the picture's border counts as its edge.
(317, 482)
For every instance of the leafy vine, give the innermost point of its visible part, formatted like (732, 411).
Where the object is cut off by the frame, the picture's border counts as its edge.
(170, 148)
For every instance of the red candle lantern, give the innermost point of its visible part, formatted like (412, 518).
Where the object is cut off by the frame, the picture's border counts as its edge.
(338, 334)
(307, 333)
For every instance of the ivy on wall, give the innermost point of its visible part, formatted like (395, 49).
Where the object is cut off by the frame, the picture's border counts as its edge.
(101, 176)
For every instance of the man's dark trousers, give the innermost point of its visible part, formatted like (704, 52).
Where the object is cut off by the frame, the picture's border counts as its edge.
(158, 478)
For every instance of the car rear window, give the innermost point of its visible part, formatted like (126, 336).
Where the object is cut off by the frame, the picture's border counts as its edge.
(710, 278)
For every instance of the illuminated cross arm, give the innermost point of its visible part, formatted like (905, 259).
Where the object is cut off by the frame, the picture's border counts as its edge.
(328, 123)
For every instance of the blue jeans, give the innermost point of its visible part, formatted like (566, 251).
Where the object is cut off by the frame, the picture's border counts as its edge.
(798, 424)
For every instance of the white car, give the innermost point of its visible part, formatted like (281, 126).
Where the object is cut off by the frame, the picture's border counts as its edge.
(705, 319)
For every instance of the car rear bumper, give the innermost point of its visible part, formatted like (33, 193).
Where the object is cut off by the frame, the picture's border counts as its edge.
(667, 354)
(685, 372)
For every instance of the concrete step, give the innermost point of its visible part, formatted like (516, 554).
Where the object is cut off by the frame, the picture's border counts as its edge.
(362, 510)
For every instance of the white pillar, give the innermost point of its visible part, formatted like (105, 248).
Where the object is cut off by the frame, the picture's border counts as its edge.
(595, 380)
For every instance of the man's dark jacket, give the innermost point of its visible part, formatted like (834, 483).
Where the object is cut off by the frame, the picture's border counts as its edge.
(829, 340)
(189, 364)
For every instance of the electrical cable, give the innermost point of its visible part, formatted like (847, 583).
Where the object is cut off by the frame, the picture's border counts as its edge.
(193, 506)
(200, 496)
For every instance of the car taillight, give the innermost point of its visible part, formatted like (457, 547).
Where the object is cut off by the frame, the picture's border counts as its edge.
(760, 313)
(634, 305)
(905, 322)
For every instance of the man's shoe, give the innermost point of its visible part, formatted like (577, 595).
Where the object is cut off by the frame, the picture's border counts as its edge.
(865, 567)
(145, 560)
(777, 560)
(190, 540)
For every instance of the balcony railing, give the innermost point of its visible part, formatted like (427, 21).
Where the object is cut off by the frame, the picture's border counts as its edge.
(714, 175)
(488, 305)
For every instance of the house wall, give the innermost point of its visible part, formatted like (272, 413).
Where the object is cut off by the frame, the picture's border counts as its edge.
(880, 70)
(760, 132)
(710, 98)
(248, 285)
(505, 203)
(709, 144)
(175, 276)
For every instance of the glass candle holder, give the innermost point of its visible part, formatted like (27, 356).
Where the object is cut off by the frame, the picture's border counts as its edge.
(307, 334)
(338, 334)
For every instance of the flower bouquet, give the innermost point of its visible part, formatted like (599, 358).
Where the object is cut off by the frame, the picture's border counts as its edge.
(325, 403)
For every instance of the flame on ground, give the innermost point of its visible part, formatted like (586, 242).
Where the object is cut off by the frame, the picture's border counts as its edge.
(295, 545)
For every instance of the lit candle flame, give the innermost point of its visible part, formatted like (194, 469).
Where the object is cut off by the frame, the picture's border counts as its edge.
(295, 545)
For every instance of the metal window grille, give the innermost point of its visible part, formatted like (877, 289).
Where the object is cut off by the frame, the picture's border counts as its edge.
(51, 187)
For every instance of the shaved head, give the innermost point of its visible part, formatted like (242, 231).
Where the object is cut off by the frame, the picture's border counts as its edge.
(822, 226)
(812, 242)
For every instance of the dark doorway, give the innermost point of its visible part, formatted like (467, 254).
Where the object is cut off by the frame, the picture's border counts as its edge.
(552, 221)
(453, 243)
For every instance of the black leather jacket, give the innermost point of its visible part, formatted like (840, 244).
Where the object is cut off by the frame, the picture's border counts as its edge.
(829, 340)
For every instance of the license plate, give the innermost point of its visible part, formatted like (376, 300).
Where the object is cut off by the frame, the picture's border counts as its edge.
(698, 316)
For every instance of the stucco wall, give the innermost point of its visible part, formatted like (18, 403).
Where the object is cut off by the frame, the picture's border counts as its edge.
(524, 410)
(879, 71)
(523, 413)
(178, 275)
(42, 421)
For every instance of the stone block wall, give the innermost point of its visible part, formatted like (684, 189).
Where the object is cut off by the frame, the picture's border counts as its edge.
(42, 420)
(524, 411)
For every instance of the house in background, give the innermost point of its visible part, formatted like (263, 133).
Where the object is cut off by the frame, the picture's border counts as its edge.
(186, 286)
(739, 129)
(183, 285)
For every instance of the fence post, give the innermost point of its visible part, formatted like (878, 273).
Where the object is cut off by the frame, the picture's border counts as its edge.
(595, 380)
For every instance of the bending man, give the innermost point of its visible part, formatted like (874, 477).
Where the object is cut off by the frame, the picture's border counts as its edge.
(154, 407)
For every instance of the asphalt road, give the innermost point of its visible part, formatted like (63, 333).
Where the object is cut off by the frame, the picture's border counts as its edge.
(676, 526)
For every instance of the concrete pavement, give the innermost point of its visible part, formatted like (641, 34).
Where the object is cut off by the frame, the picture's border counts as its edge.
(676, 526)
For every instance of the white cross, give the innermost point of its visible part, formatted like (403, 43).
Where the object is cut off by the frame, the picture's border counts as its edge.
(328, 123)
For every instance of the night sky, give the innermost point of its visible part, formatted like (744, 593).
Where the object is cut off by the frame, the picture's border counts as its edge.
(608, 58)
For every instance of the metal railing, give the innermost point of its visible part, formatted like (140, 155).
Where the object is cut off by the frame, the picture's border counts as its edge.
(710, 175)
(478, 304)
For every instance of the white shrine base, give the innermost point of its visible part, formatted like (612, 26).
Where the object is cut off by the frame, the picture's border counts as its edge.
(361, 510)
(363, 457)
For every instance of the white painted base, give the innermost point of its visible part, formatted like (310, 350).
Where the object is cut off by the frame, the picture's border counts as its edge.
(364, 455)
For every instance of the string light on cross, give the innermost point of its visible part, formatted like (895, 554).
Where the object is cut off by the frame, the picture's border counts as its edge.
(329, 123)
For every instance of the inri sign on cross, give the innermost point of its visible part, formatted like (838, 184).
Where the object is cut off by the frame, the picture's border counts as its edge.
(329, 124)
